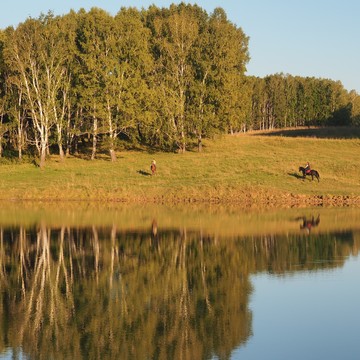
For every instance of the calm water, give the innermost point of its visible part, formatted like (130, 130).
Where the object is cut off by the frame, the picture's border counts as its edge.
(165, 283)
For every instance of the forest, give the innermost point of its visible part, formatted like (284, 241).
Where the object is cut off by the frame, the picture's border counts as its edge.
(157, 78)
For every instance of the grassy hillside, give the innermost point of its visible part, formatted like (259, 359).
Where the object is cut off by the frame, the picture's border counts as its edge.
(247, 169)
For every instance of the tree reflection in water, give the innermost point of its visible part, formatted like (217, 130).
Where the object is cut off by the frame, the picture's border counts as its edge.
(166, 294)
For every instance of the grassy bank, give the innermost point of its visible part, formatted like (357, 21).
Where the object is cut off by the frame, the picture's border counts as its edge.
(249, 169)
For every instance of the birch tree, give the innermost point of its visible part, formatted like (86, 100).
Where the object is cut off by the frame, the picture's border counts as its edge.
(128, 75)
(94, 41)
(229, 62)
(201, 108)
(175, 38)
(34, 55)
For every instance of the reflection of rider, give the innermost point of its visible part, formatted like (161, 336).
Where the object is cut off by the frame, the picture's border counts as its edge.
(308, 224)
(154, 228)
(307, 168)
(154, 234)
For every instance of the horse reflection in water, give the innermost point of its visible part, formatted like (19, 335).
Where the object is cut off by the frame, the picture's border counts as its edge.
(308, 223)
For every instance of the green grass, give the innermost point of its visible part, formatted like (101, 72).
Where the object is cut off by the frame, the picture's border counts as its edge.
(231, 169)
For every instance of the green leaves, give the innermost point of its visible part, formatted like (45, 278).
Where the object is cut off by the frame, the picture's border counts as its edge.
(280, 101)
(164, 78)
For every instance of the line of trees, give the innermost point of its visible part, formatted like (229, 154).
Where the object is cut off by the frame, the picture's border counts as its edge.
(161, 77)
(280, 101)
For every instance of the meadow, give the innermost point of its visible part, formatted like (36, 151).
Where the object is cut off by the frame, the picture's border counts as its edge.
(253, 169)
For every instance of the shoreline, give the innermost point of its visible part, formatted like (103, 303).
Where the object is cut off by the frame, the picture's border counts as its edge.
(241, 199)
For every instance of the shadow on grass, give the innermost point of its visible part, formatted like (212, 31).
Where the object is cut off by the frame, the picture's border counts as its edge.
(331, 132)
(296, 175)
(144, 173)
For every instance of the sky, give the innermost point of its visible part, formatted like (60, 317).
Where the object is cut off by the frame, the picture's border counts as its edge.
(315, 38)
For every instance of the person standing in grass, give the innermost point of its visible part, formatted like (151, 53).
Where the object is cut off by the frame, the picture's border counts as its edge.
(153, 167)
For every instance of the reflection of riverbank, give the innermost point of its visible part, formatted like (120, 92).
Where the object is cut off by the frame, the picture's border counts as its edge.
(135, 293)
(214, 220)
(84, 292)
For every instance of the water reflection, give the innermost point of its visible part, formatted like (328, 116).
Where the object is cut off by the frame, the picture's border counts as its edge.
(164, 293)
(308, 223)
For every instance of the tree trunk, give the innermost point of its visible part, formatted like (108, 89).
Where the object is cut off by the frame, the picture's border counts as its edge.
(43, 154)
(95, 129)
(47, 148)
(19, 152)
(112, 135)
(59, 141)
(182, 143)
(112, 155)
(20, 141)
(180, 140)
(199, 143)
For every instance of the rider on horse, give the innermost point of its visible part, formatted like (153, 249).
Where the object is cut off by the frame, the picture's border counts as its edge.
(308, 171)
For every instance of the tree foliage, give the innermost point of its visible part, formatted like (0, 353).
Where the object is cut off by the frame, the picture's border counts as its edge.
(162, 77)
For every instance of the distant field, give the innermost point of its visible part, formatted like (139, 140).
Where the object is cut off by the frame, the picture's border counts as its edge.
(248, 169)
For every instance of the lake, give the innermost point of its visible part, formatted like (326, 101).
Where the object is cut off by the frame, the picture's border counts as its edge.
(88, 281)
